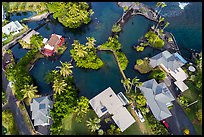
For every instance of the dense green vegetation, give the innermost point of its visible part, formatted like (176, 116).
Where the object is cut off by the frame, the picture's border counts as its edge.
(18, 74)
(71, 14)
(158, 75)
(25, 6)
(115, 46)
(8, 123)
(85, 56)
(65, 96)
(154, 40)
(157, 128)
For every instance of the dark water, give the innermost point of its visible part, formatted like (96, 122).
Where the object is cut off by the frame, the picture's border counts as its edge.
(186, 28)
(21, 15)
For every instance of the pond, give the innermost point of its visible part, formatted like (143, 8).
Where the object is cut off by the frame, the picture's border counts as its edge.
(92, 82)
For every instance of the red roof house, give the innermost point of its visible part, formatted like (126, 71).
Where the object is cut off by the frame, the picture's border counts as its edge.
(52, 44)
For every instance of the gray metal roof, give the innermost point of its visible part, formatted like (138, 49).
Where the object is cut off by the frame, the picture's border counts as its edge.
(40, 108)
(157, 96)
(170, 61)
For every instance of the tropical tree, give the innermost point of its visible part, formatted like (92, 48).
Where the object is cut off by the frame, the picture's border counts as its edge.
(166, 25)
(160, 5)
(116, 28)
(90, 41)
(93, 124)
(79, 49)
(199, 115)
(36, 41)
(65, 69)
(140, 101)
(59, 86)
(113, 130)
(82, 107)
(139, 62)
(29, 91)
(126, 84)
(136, 83)
(100, 132)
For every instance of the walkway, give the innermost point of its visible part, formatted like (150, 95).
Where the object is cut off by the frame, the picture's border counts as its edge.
(37, 17)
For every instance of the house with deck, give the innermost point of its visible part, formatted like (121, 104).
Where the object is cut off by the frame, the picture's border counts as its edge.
(108, 102)
(158, 98)
(40, 108)
(29, 35)
(52, 44)
(13, 27)
(171, 64)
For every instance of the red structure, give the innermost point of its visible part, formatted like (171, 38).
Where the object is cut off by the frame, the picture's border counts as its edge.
(53, 43)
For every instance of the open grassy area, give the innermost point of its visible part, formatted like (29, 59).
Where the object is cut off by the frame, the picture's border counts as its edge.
(8, 124)
(192, 94)
(72, 127)
(144, 67)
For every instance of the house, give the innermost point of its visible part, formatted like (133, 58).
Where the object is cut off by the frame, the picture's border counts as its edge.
(52, 44)
(158, 98)
(40, 108)
(14, 27)
(108, 102)
(171, 64)
(29, 35)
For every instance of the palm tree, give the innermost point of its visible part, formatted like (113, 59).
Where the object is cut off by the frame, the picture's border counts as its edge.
(116, 28)
(29, 91)
(166, 25)
(161, 5)
(93, 124)
(186, 131)
(135, 81)
(65, 69)
(59, 86)
(126, 84)
(91, 41)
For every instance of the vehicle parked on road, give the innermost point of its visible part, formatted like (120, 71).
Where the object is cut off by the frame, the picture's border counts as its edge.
(165, 124)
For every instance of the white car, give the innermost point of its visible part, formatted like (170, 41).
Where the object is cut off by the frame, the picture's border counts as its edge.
(138, 113)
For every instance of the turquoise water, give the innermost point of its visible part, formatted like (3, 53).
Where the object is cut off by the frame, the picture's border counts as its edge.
(92, 82)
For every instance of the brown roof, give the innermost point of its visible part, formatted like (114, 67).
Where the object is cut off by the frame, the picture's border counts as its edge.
(54, 40)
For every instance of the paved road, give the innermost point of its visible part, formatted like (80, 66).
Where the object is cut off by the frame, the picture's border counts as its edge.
(179, 121)
(18, 117)
(4, 80)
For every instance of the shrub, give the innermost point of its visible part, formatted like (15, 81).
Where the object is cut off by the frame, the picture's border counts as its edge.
(139, 48)
(139, 62)
(158, 75)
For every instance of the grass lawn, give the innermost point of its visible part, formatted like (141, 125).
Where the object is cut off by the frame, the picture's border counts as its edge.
(8, 124)
(144, 67)
(72, 127)
(192, 94)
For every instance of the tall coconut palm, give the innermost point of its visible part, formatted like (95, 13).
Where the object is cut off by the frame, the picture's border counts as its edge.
(136, 83)
(59, 86)
(90, 41)
(93, 124)
(160, 5)
(65, 69)
(126, 84)
(29, 91)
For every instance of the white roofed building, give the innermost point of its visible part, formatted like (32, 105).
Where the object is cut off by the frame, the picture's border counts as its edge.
(14, 27)
(108, 102)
